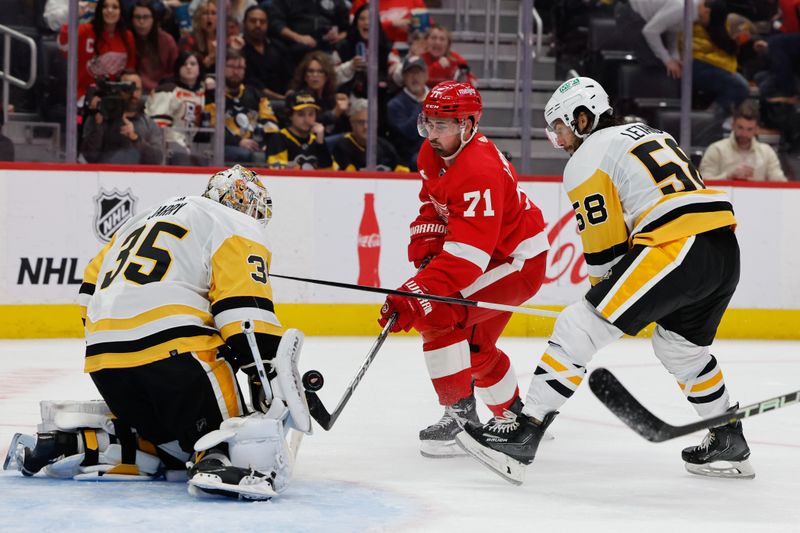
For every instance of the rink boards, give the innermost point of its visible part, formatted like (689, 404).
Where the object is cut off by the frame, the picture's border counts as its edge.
(53, 219)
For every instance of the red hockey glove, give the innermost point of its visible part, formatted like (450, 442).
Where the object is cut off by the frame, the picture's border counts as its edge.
(408, 309)
(427, 239)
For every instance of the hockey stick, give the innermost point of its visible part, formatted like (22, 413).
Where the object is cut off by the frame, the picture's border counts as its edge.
(616, 397)
(249, 333)
(315, 406)
(432, 297)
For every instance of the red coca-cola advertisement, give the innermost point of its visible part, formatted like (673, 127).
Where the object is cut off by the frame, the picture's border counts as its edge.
(369, 244)
(565, 259)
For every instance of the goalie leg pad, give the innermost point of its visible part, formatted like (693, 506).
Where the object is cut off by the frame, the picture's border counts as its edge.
(257, 443)
(288, 385)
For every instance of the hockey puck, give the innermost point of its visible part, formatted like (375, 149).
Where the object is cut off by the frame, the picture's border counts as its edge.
(313, 381)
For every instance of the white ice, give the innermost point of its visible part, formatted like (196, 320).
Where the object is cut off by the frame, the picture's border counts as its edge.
(366, 474)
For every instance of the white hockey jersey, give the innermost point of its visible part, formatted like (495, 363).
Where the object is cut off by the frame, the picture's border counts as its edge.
(631, 185)
(177, 278)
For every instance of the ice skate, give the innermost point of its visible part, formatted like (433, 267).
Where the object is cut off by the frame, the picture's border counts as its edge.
(213, 475)
(438, 440)
(506, 444)
(723, 453)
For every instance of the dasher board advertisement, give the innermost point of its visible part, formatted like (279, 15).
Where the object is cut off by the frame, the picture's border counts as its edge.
(353, 229)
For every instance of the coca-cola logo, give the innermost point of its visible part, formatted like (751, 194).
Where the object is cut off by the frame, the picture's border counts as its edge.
(372, 240)
(566, 259)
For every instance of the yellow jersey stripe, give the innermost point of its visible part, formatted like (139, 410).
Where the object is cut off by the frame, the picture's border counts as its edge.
(258, 326)
(708, 383)
(113, 324)
(652, 264)
(151, 354)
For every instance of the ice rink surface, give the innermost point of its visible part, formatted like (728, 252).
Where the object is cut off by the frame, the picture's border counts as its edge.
(366, 474)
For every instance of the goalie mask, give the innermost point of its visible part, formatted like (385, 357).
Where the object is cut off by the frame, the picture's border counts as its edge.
(241, 189)
(568, 99)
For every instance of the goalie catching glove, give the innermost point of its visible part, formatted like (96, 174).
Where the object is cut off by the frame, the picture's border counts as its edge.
(408, 309)
(427, 239)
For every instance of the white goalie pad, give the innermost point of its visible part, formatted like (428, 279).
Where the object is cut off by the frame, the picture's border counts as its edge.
(65, 415)
(289, 384)
(255, 441)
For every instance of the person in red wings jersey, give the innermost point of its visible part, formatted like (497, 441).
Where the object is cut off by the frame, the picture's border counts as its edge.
(487, 242)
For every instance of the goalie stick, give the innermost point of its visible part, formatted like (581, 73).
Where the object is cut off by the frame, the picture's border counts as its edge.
(431, 297)
(619, 401)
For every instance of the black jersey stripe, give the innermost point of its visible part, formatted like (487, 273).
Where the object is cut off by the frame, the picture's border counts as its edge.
(606, 256)
(703, 207)
(236, 302)
(86, 288)
(149, 341)
(709, 398)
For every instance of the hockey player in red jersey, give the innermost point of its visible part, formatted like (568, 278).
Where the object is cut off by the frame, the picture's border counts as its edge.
(487, 242)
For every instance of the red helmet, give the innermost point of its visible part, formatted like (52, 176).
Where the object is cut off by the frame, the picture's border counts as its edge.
(453, 99)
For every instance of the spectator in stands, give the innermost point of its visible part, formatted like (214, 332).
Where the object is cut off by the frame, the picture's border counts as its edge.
(417, 45)
(301, 145)
(715, 63)
(268, 69)
(203, 37)
(659, 22)
(306, 25)
(351, 56)
(350, 150)
(121, 134)
(248, 113)
(56, 11)
(236, 8)
(783, 56)
(741, 156)
(399, 18)
(404, 109)
(156, 50)
(176, 105)
(316, 75)
(105, 46)
(443, 62)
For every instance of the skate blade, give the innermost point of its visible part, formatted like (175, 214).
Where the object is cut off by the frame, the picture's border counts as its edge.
(433, 449)
(212, 485)
(18, 441)
(723, 469)
(504, 466)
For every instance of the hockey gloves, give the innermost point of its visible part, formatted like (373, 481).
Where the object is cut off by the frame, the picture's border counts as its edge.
(427, 239)
(408, 309)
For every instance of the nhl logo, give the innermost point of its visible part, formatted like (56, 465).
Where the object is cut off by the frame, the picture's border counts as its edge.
(112, 210)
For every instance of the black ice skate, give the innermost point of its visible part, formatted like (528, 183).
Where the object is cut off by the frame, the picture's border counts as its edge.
(723, 453)
(30, 454)
(438, 440)
(213, 475)
(506, 444)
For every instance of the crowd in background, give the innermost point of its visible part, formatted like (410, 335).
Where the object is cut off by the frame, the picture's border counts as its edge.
(295, 75)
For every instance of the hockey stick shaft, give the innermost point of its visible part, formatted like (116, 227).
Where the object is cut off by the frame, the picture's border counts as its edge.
(621, 402)
(249, 332)
(325, 419)
(432, 297)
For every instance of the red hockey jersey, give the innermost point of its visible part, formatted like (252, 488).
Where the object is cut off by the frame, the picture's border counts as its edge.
(489, 219)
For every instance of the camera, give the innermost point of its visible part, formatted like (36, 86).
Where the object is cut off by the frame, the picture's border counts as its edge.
(114, 97)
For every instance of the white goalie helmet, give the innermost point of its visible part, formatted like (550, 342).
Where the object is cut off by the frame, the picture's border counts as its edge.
(571, 95)
(241, 189)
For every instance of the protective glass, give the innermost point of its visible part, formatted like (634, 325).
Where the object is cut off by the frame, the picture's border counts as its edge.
(437, 127)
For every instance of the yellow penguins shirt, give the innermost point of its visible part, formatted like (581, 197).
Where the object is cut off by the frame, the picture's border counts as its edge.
(632, 185)
(177, 278)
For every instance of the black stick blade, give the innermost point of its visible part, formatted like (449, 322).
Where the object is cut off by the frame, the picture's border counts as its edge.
(317, 410)
(619, 401)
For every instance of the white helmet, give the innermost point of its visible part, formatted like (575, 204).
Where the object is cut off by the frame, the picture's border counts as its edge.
(573, 94)
(241, 189)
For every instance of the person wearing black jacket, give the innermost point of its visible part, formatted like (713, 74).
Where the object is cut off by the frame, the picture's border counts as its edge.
(268, 68)
(306, 25)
